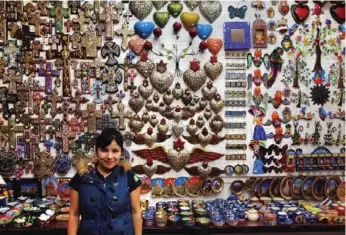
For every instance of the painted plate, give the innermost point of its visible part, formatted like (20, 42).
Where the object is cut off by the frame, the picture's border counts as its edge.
(237, 187)
(340, 192)
(179, 186)
(331, 187)
(297, 187)
(206, 187)
(307, 187)
(146, 184)
(249, 183)
(169, 182)
(157, 187)
(64, 190)
(50, 186)
(286, 188)
(318, 188)
(256, 188)
(217, 184)
(193, 186)
(264, 187)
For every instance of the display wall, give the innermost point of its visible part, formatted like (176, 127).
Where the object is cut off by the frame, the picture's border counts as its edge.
(251, 88)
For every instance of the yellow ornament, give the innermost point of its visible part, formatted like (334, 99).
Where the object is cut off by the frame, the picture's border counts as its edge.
(189, 19)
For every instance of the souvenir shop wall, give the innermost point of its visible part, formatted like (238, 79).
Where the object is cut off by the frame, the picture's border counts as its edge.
(205, 93)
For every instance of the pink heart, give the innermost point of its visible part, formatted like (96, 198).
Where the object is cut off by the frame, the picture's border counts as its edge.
(137, 45)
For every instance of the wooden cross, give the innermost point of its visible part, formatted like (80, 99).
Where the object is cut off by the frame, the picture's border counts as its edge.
(36, 48)
(54, 42)
(12, 11)
(121, 115)
(113, 77)
(30, 143)
(109, 16)
(65, 109)
(97, 65)
(75, 38)
(10, 131)
(92, 115)
(81, 20)
(91, 42)
(3, 24)
(76, 126)
(65, 135)
(108, 104)
(12, 52)
(68, 24)
(29, 63)
(106, 122)
(59, 13)
(48, 72)
(54, 98)
(125, 32)
(13, 79)
(49, 144)
(85, 73)
(41, 121)
(5, 99)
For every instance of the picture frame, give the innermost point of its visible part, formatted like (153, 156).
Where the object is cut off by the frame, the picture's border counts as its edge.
(237, 36)
(31, 188)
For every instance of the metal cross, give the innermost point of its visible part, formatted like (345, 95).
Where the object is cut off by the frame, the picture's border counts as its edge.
(13, 79)
(109, 16)
(65, 135)
(12, 52)
(125, 32)
(106, 122)
(48, 72)
(10, 131)
(78, 100)
(30, 142)
(113, 77)
(54, 98)
(91, 42)
(59, 13)
(110, 50)
(92, 115)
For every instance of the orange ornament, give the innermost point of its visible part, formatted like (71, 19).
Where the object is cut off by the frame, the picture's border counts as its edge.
(214, 45)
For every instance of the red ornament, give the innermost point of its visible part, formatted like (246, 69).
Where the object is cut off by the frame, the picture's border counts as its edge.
(193, 32)
(194, 65)
(157, 32)
(177, 27)
(203, 45)
(148, 46)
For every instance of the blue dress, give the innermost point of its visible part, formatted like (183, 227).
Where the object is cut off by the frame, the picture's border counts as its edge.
(259, 133)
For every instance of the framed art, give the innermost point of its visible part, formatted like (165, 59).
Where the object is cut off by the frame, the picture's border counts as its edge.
(237, 36)
(31, 188)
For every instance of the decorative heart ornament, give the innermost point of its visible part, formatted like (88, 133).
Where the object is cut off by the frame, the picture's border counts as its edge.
(214, 45)
(161, 79)
(175, 8)
(217, 104)
(194, 77)
(338, 12)
(145, 66)
(161, 18)
(144, 28)
(189, 19)
(300, 13)
(213, 68)
(286, 43)
(140, 9)
(177, 91)
(136, 102)
(145, 90)
(178, 157)
(209, 91)
(192, 4)
(204, 31)
(284, 8)
(211, 10)
(159, 4)
(177, 129)
(137, 45)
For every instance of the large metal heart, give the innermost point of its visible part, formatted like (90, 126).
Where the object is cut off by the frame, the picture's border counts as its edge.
(136, 103)
(178, 159)
(213, 70)
(145, 91)
(209, 93)
(145, 68)
(177, 129)
(217, 106)
(141, 9)
(149, 170)
(192, 4)
(211, 10)
(159, 4)
(194, 80)
(161, 81)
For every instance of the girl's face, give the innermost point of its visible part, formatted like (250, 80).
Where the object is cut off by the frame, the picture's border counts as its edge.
(109, 156)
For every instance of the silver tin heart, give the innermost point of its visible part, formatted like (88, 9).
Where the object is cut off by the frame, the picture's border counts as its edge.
(159, 4)
(192, 4)
(211, 10)
(141, 9)
(145, 90)
(136, 102)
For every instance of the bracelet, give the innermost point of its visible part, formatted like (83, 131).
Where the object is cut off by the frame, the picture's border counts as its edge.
(235, 66)
(235, 94)
(236, 84)
(236, 146)
(236, 54)
(235, 103)
(235, 125)
(236, 157)
(235, 137)
(233, 76)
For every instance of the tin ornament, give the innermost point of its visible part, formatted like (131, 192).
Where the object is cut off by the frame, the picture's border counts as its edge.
(161, 79)
(211, 10)
(145, 66)
(141, 9)
(213, 68)
(194, 77)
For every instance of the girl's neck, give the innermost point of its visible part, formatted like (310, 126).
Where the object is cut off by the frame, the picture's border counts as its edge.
(104, 172)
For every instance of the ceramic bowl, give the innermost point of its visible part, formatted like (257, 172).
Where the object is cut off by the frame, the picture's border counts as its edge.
(266, 200)
(201, 211)
(232, 222)
(218, 222)
(203, 221)
(186, 213)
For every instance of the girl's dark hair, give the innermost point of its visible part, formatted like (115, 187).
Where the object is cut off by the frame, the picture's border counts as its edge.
(107, 136)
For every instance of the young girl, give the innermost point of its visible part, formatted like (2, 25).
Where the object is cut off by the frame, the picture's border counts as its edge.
(107, 195)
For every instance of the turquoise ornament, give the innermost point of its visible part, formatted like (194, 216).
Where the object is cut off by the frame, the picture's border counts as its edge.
(204, 31)
(144, 28)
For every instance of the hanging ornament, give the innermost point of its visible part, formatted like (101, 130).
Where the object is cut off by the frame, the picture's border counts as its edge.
(189, 19)
(300, 12)
(161, 18)
(194, 77)
(319, 94)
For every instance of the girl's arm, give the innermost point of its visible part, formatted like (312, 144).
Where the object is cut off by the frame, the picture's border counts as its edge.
(136, 211)
(73, 219)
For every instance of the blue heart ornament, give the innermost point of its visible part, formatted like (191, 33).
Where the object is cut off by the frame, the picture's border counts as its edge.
(204, 31)
(144, 28)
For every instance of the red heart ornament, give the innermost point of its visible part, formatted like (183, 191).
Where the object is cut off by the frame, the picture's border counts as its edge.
(137, 45)
(214, 45)
(300, 13)
(284, 8)
(338, 13)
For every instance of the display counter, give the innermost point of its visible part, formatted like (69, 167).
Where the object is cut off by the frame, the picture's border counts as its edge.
(59, 228)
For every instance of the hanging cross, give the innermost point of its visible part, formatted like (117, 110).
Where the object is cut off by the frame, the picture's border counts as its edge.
(110, 50)
(89, 141)
(49, 144)
(54, 42)
(92, 115)
(91, 42)
(36, 48)
(106, 122)
(78, 99)
(18, 110)
(74, 6)
(68, 24)
(84, 73)
(41, 121)
(65, 55)
(37, 22)
(3, 140)
(59, 13)
(76, 126)
(28, 63)
(80, 21)
(128, 65)
(109, 16)
(26, 36)
(75, 38)
(30, 143)
(37, 99)
(121, 115)
(48, 72)
(97, 65)
(10, 131)
(3, 24)
(12, 52)
(125, 32)
(3, 64)
(12, 12)
(112, 77)
(65, 135)
(131, 75)
(65, 109)
(13, 79)
(98, 90)
(108, 104)
(54, 98)
(5, 99)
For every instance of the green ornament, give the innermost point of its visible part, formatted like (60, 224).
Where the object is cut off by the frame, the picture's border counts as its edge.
(175, 8)
(161, 18)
